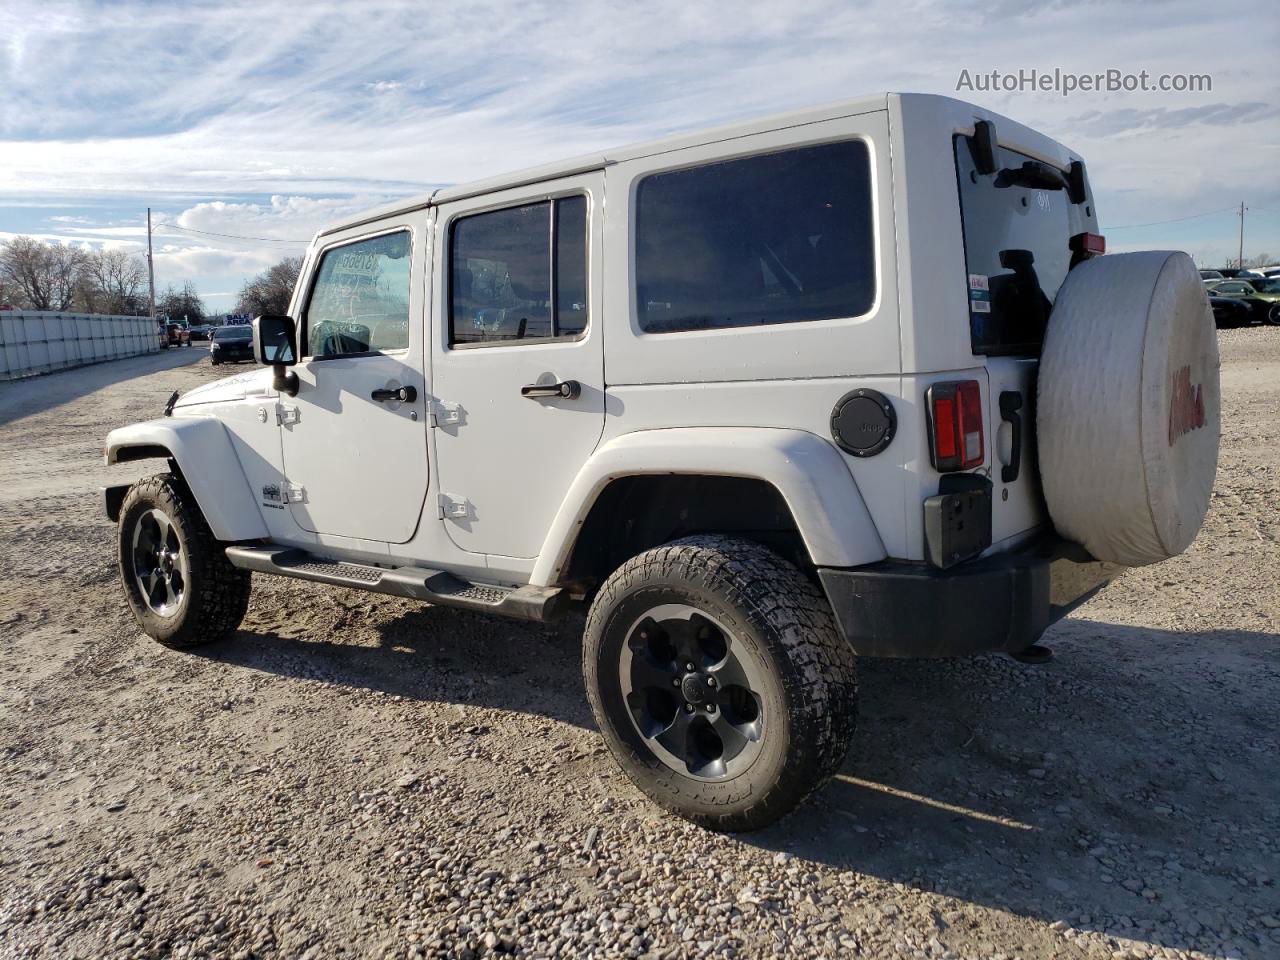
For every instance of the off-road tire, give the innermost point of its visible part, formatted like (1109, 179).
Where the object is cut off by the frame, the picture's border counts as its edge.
(216, 595)
(774, 613)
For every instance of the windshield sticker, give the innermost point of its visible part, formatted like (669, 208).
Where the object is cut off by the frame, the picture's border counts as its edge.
(980, 306)
(978, 281)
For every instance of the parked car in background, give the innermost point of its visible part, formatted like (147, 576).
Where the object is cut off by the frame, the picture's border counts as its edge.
(1229, 312)
(201, 331)
(231, 343)
(174, 335)
(1261, 295)
(1208, 276)
(1230, 273)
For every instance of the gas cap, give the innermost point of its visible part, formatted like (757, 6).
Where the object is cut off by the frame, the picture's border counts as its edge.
(863, 422)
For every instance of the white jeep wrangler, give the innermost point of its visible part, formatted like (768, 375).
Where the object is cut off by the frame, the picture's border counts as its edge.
(846, 382)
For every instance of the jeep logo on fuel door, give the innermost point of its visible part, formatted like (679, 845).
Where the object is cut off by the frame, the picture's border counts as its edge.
(1186, 406)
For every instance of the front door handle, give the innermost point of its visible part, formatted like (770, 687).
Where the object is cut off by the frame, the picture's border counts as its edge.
(400, 394)
(567, 390)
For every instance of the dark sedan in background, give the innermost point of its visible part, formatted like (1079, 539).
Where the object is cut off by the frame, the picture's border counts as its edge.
(231, 343)
(1261, 295)
(1230, 313)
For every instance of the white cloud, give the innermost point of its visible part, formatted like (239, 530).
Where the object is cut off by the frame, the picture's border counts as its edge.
(306, 101)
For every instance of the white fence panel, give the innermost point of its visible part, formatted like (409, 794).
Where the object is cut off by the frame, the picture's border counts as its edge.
(34, 342)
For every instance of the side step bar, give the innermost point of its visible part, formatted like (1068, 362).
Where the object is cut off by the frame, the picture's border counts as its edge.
(417, 583)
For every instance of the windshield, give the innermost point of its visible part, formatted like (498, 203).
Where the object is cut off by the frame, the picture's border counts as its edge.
(1266, 286)
(233, 333)
(1017, 245)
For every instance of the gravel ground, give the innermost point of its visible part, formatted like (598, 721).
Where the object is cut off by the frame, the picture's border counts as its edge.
(360, 776)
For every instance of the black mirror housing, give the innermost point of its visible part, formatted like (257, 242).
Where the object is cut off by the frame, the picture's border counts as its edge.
(275, 342)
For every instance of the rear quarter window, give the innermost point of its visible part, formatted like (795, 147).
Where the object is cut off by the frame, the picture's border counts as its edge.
(782, 237)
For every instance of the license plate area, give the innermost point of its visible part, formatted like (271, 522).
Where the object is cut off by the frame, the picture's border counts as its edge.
(957, 520)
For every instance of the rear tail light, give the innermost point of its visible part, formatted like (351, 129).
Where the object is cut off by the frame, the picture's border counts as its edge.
(955, 425)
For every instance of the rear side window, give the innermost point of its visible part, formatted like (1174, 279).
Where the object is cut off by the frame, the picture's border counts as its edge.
(519, 273)
(776, 238)
(360, 300)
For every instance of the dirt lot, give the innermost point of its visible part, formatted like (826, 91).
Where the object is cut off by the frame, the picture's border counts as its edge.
(361, 776)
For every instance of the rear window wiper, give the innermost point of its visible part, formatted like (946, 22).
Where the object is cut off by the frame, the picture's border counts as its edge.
(1032, 174)
(1036, 175)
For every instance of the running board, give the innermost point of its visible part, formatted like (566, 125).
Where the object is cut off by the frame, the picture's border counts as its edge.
(417, 583)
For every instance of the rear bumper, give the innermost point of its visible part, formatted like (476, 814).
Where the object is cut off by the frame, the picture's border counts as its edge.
(1003, 602)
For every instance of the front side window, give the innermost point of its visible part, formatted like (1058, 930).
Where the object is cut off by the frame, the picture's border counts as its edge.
(777, 238)
(360, 301)
(519, 273)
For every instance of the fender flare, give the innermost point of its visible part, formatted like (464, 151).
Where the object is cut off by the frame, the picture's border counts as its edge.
(805, 469)
(207, 458)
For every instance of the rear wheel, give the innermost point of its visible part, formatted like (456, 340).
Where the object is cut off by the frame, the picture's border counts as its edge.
(1273, 315)
(179, 584)
(718, 679)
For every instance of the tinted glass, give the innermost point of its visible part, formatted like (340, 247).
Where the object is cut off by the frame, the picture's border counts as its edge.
(501, 273)
(360, 300)
(777, 238)
(571, 266)
(1017, 243)
(233, 333)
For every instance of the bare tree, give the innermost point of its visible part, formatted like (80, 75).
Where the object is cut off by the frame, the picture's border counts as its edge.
(43, 274)
(182, 304)
(269, 291)
(115, 278)
(1261, 260)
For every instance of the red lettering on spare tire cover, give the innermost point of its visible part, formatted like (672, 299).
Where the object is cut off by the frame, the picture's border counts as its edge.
(1186, 405)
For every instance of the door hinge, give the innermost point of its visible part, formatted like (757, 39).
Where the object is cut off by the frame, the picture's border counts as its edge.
(453, 508)
(445, 414)
(287, 415)
(294, 493)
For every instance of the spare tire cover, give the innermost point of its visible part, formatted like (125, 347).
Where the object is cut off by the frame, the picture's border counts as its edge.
(1128, 406)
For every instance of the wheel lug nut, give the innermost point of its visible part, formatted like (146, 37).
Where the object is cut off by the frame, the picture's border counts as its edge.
(688, 708)
(689, 667)
(675, 681)
(711, 708)
(711, 681)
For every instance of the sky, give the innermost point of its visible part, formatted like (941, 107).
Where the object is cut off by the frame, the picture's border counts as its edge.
(266, 120)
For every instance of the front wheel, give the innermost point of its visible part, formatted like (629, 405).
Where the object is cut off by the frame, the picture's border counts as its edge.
(719, 681)
(1273, 315)
(181, 587)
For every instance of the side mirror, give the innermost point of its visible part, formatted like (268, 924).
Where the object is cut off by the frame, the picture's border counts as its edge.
(275, 342)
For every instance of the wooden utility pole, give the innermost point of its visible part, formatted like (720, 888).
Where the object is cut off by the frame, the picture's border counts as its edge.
(151, 270)
(1240, 262)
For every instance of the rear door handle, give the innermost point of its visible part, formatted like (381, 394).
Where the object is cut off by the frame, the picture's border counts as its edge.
(566, 389)
(400, 394)
(1010, 404)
